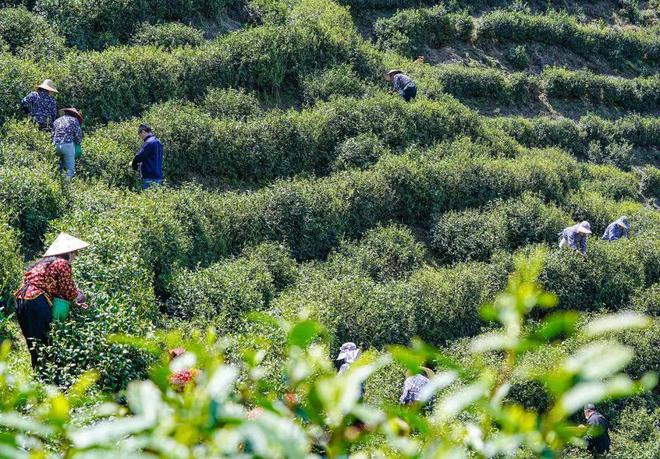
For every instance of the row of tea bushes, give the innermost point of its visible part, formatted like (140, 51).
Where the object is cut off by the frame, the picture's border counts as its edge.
(276, 144)
(28, 35)
(440, 305)
(97, 25)
(409, 31)
(476, 234)
(574, 136)
(641, 94)
(225, 292)
(181, 228)
(564, 30)
(120, 82)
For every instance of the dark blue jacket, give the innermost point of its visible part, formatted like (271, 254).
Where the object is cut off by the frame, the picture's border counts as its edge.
(150, 159)
(598, 438)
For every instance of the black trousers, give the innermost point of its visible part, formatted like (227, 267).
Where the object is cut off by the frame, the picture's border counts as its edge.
(34, 317)
(409, 93)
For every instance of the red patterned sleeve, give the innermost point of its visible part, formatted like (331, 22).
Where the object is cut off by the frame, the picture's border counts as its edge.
(66, 287)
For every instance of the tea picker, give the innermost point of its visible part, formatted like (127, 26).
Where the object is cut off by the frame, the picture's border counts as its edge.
(40, 105)
(403, 84)
(617, 229)
(67, 138)
(575, 237)
(47, 292)
(148, 161)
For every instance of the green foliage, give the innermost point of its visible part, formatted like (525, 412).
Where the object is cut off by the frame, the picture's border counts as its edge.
(95, 25)
(358, 152)
(518, 57)
(223, 292)
(562, 29)
(641, 94)
(339, 81)
(33, 196)
(288, 420)
(277, 144)
(477, 234)
(169, 36)
(10, 264)
(611, 182)
(607, 279)
(485, 83)
(232, 104)
(30, 36)
(384, 253)
(408, 31)
(650, 186)
(575, 136)
(614, 154)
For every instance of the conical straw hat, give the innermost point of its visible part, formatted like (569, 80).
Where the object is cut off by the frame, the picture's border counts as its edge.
(48, 85)
(65, 243)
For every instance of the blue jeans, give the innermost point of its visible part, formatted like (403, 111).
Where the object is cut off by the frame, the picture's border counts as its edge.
(67, 152)
(148, 183)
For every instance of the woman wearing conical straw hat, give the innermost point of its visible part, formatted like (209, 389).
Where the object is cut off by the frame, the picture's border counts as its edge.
(48, 281)
(40, 105)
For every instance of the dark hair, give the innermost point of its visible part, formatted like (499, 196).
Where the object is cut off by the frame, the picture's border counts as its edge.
(144, 128)
(589, 407)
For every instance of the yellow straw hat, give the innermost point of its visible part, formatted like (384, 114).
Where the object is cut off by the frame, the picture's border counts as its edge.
(48, 85)
(65, 243)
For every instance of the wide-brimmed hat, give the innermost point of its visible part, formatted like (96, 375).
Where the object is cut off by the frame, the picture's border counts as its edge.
(65, 243)
(348, 352)
(393, 72)
(584, 228)
(74, 112)
(623, 221)
(48, 85)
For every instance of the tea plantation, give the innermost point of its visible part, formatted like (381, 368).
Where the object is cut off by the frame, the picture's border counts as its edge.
(306, 205)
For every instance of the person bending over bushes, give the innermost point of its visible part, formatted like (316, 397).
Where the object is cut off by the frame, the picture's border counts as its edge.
(617, 230)
(40, 105)
(403, 84)
(67, 137)
(575, 237)
(47, 289)
(149, 159)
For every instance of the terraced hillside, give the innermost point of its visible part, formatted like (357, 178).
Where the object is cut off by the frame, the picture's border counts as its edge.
(307, 205)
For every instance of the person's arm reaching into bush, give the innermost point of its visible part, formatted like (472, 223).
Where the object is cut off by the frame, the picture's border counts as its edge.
(66, 287)
(142, 155)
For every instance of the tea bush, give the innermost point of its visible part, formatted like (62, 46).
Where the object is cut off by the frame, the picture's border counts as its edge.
(650, 185)
(640, 94)
(33, 196)
(601, 211)
(408, 31)
(232, 104)
(223, 292)
(611, 182)
(384, 254)
(10, 262)
(575, 136)
(105, 23)
(358, 152)
(477, 234)
(484, 83)
(30, 36)
(278, 144)
(564, 30)
(339, 81)
(613, 154)
(168, 36)
(607, 279)
(120, 82)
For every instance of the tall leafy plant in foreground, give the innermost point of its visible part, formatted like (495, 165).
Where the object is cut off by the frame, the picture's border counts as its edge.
(232, 408)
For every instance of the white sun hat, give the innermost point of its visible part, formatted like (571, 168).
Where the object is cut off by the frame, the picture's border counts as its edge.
(65, 243)
(584, 227)
(349, 352)
(48, 85)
